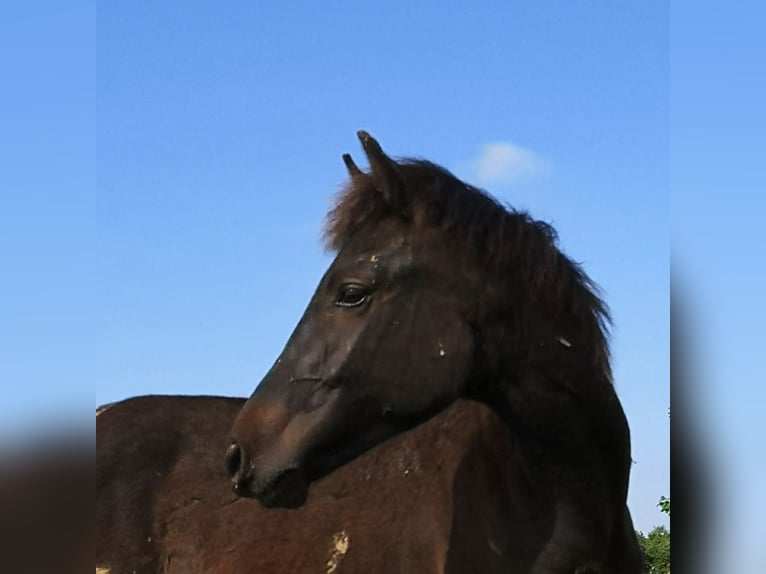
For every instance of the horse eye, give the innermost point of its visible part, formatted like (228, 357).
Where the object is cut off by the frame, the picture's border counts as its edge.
(351, 295)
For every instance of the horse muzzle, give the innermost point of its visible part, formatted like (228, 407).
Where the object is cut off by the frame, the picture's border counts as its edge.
(283, 487)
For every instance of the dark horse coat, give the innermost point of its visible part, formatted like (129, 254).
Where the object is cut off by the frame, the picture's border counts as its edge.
(437, 294)
(447, 496)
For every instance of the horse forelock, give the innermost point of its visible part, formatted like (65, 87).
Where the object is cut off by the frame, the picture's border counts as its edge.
(509, 243)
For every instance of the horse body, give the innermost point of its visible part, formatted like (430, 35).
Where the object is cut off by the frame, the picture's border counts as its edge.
(446, 496)
(449, 496)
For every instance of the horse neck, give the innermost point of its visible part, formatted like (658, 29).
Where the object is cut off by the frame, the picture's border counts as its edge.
(570, 450)
(560, 405)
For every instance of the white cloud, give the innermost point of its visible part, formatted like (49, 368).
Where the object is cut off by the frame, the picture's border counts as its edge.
(507, 163)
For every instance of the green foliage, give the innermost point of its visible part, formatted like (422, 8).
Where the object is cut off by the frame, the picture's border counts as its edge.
(655, 547)
(664, 505)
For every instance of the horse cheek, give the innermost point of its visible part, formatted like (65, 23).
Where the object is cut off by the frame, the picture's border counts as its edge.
(431, 365)
(449, 351)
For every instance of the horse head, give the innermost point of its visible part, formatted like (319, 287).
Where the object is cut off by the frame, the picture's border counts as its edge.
(436, 292)
(385, 342)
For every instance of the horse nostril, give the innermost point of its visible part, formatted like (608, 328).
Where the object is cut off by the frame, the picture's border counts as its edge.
(233, 461)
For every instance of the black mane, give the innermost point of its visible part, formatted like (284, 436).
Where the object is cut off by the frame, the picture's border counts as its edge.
(509, 242)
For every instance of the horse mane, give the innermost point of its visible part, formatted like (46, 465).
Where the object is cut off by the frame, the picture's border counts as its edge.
(507, 241)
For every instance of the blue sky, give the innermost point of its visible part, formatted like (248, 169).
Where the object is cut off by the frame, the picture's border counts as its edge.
(218, 136)
(47, 215)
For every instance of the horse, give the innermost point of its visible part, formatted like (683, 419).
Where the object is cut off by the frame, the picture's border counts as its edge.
(422, 501)
(437, 293)
(444, 405)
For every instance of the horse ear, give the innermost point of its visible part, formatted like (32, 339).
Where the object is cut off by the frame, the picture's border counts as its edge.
(352, 168)
(385, 172)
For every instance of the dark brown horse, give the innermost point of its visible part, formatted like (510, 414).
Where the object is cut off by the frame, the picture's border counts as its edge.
(361, 431)
(438, 292)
